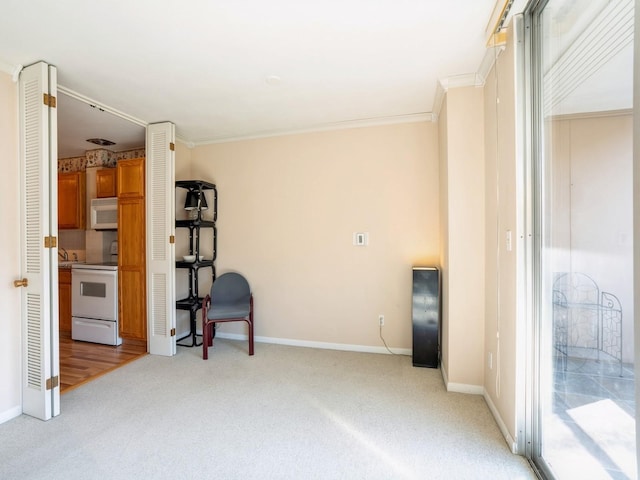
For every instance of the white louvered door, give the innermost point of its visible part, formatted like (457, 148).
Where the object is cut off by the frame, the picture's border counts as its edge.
(161, 302)
(38, 157)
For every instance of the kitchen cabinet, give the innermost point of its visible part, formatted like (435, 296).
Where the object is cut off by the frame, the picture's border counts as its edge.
(132, 303)
(64, 300)
(193, 301)
(71, 201)
(106, 181)
(130, 178)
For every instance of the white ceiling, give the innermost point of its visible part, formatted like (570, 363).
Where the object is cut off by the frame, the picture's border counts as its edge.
(205, 64)
(223, 70)
(79, 121)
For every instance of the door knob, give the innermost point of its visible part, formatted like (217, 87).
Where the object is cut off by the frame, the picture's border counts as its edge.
(21, 283)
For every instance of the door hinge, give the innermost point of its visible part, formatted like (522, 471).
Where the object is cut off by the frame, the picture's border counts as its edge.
(50, 242)
(172, 239)
(172, 146)
(52, 383)
(49, 100)
(173, 332)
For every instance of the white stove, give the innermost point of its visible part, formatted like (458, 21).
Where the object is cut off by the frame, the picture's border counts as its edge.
(94, 302)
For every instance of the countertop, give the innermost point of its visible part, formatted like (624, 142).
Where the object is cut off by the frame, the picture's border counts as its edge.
(67, 263)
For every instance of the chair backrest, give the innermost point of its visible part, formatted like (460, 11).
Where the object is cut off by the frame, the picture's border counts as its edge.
(230, 288)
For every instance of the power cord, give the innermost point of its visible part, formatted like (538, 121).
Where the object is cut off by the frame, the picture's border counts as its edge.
(385, 343)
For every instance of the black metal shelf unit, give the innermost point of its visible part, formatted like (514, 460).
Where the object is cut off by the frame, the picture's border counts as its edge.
(193, 302)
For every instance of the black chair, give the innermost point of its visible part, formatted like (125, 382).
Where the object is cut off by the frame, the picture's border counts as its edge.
(230, 300)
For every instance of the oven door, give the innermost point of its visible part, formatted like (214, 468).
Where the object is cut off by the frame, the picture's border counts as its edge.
(94, 294)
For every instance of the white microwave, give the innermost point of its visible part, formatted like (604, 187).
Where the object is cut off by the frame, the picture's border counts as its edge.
(104, 213)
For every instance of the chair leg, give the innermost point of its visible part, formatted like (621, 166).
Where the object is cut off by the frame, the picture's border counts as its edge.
(250, 323)
(212, 331)
(205, 340)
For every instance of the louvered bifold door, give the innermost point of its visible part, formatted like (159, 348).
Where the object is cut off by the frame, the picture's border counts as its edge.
(38, 152)
(160, 189)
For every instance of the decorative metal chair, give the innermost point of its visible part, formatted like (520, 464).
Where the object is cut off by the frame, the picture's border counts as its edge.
(230, 300)
(587, 321)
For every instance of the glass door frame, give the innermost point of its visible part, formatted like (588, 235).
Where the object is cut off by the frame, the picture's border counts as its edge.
(535, 173)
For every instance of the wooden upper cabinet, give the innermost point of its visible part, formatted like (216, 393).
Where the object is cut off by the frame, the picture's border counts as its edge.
(106, 181)
(131, 178)
(71, 201)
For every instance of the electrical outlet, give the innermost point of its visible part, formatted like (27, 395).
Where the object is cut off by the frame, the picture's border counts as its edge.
(381, 320)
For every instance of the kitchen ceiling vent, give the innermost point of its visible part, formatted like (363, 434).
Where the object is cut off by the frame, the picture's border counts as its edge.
(101, 141)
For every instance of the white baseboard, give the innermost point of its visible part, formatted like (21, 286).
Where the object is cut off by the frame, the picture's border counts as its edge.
(443, 371)
(513, 445)
(479, 390)
(322, 345)
(10, 414)
(459, 387)
(465, 388)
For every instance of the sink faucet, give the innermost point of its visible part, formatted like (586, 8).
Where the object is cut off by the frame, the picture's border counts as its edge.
(64, 255)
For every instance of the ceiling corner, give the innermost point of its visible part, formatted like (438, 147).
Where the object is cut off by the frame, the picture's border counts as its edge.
(490, 56)
(11, 69)
(441, 90)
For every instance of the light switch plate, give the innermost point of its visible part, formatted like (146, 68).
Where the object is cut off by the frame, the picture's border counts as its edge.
(361, 239)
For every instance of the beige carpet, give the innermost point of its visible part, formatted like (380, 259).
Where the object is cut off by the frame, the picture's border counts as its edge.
(285, 413)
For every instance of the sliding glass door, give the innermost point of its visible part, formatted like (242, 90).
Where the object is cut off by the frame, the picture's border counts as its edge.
(582, 86)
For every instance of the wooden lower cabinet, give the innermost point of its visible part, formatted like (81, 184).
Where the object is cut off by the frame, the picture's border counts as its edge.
(133, 312)
(132, 295)
(64, 300)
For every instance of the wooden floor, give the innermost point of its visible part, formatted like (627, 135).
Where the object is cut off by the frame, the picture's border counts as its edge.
(81, 362)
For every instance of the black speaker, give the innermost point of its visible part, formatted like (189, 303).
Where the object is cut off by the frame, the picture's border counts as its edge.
(426, 317)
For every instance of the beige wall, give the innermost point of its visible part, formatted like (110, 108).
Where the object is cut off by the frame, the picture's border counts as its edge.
(288, 208)
(182, 172)
(502, 202)
(10, 361)
(463, 290)
(182, 161)
(444, 235)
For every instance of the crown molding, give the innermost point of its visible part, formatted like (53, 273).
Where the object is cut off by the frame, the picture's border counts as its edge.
(6, 67)
(464, 80)
(496, 44)
(368, 122)
(488, 61)
(438, 98)
(184, 141)
(11, 69)
(89, 101)
(454, 81)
